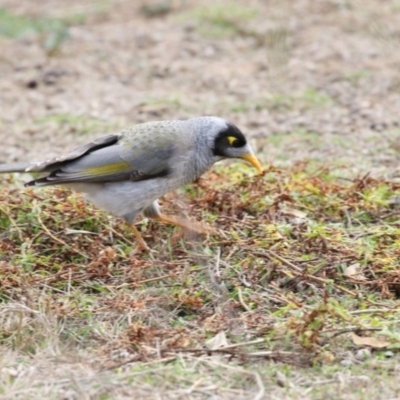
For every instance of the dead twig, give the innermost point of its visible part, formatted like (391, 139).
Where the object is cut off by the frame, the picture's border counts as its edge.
(241, 300)
(373, 311)
(350, 330)
(299, 271)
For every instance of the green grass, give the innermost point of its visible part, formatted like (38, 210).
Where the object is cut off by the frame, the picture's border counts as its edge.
(221, 20)
(157, 105)
(309, 99)
(77, 123)
(53, 32)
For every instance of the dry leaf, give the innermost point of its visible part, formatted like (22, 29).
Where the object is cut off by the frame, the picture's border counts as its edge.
(354, 271)
(271, 232)
(218, 341)
(291, 212)
(108, 253)
(369, 341)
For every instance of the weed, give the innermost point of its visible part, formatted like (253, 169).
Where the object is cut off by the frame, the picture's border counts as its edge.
(53, 32)
(221, 20)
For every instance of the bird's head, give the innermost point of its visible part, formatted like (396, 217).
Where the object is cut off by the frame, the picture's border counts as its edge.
(230, 142)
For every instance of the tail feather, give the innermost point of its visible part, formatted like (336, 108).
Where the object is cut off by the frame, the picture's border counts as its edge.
(14, 167)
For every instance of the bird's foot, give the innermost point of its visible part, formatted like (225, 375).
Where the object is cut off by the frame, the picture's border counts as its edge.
(188, 225)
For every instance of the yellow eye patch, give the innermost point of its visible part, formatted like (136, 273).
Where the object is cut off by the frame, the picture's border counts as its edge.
(232, 140)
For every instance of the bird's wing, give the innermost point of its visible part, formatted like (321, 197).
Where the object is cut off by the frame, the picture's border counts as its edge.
(132, 155)
(55, 163)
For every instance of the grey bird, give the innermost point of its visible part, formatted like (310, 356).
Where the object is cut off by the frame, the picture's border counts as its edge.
(125, 173)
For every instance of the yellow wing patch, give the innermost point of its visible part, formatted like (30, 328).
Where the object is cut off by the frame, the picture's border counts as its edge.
(109, 169)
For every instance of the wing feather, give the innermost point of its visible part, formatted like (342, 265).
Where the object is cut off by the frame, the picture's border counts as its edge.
(136, 154)
(54, 163)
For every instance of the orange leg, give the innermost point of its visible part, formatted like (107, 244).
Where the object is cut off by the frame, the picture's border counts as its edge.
(184, 223)
(142, 246)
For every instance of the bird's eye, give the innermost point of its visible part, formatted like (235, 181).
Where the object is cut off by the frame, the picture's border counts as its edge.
(234, 142)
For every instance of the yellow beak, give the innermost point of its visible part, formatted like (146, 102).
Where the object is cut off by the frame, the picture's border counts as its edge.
(252, 159)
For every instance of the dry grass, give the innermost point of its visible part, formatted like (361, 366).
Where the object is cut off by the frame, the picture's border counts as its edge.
(295, 294)
(277, 279)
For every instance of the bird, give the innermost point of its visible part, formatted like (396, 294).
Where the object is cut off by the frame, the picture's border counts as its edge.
(127, 172)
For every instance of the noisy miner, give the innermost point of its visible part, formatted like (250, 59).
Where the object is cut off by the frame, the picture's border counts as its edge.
(125, 173)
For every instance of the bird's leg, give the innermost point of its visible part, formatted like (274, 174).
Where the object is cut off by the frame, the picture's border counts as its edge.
(153, 211)
(142, 246)
(186, 224)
